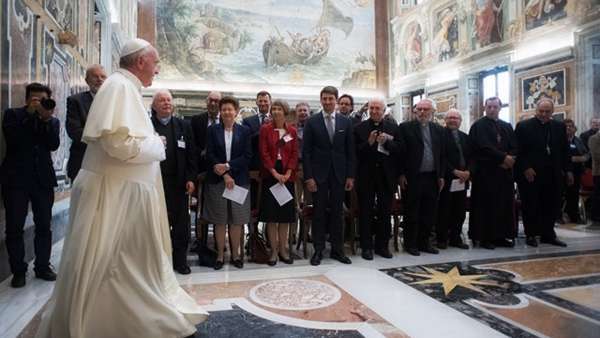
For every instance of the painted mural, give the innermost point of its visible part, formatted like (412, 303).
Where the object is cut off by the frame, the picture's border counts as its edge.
(445, 34)
(266, 42)
(539, 12)
(550, 85)
(488, 25)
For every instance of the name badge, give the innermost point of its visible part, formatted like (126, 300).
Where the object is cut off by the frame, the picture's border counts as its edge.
(287, 138)
(181, 144)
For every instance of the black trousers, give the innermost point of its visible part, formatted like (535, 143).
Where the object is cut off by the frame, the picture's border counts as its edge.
(572, 199)
(329, 196)
(179, 219)
(421, 208)
(374, 191)
(540, 201)
(16, 203)
(596, 200)
(451, 215)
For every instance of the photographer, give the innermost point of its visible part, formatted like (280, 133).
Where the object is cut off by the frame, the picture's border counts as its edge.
(27, 175)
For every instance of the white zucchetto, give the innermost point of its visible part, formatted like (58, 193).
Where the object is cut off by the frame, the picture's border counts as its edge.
(132, 46)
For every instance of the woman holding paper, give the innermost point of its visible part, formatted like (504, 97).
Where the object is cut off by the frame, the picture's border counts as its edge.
(228, 153)
(278, 144)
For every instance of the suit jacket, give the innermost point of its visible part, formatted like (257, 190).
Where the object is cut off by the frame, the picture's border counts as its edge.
(29, 142)
(241, 153)
(532, 147)
(253, 124)
(199, 125)
(78, 107)
(187, 169)
(368, 158)
(453, 154)
(411, 136)
(270, 144)
(320, 155)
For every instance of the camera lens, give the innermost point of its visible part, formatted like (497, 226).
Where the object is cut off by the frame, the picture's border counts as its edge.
(48, 104)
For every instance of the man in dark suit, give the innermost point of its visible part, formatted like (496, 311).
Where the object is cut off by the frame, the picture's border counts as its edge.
(200, 124)
(421, 176)
(541, 167)
(78, 106)
(452, 204)
(27, 175)
(254, 122)
(178, 173)
(378, 153)
(328, 162)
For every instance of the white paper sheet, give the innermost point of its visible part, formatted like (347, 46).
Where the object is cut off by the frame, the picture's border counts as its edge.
(281, 193)
(382, 150)
(237, 194)
(457, 185)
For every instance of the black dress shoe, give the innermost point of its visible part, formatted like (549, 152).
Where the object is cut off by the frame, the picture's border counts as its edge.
(531, 241)
(183, 269)
(554, 241)
(367, 254)
(430, 249)
(459, 244)
(288, 260)
(340, 258)
(46, 274)
(219, 265)
(505, 243)
(385, 253)
(413, 251)
(18, 281)
(316, 258)
(238, 263)
(488, 245)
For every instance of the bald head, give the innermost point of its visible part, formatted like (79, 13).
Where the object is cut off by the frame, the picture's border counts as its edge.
(162, 103)
(376, 109)
(212, 103)
(94, 77)
(453, 119)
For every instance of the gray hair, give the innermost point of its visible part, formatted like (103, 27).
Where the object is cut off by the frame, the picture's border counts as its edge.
(160, 92)
(432, 101)
(454, 110)
(130, 60)
(380, 99)
(90, 68)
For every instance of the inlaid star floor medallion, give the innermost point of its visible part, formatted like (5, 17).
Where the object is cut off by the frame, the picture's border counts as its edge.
(451, 279)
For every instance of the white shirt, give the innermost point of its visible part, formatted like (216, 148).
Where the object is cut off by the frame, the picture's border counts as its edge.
(281, 134)
(216, 121)
(228, 139)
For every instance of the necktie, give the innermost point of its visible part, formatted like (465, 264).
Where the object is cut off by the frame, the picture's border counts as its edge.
(329, 125)
(461, 156)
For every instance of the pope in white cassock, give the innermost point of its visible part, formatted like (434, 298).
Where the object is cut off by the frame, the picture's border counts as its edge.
(115, 277)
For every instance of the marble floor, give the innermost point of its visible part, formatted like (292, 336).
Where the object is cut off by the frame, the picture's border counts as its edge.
(521, 292)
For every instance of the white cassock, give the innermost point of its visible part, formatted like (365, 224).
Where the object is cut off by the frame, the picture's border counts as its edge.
(115, 277)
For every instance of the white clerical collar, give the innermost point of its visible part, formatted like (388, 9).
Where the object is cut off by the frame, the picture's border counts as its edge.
(131, 77)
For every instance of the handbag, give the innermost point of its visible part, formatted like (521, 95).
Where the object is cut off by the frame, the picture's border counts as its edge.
(206, 256)
(258, 248)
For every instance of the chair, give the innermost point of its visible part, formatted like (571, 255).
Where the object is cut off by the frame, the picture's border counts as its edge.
(397, 211)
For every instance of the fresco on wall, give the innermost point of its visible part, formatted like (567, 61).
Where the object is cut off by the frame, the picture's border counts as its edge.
(551, 85)
(445, 34)
(56, 70)
(539, 12)
(284, 42)
(413, 46)
(21, 51)
(488, 24)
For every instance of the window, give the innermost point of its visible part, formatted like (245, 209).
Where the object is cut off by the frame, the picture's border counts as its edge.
(497, 83)
(416, 97)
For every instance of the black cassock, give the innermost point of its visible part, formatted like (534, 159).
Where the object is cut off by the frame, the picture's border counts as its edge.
(492, 194)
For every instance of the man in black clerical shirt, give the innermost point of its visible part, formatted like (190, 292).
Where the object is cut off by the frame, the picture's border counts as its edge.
(452, 205)
(541, 167)
(494, 146)
(178, 173)
(378, 152)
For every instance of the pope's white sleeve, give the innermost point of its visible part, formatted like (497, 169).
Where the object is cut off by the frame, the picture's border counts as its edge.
(133, 149)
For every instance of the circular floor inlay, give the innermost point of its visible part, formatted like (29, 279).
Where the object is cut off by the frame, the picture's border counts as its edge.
(295, 294)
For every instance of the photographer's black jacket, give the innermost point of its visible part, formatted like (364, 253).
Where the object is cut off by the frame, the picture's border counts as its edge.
(29, 142)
